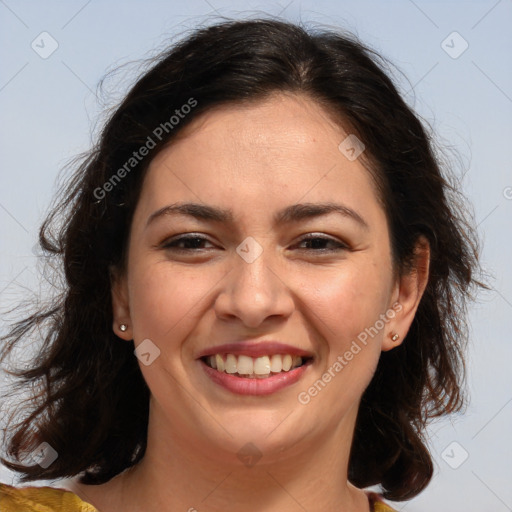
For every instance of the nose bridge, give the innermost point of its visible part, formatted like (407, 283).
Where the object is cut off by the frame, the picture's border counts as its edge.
(254, 290)
(256, 274)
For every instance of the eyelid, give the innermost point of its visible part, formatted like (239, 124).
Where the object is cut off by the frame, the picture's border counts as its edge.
(322, 236)
(339, 244)
(183, 236)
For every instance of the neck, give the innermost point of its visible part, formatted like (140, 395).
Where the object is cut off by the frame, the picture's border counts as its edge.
(179, 474)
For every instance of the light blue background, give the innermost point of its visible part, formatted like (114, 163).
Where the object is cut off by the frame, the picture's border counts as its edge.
(48, 109)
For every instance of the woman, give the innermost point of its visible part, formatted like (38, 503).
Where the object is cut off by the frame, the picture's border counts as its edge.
(265, 222)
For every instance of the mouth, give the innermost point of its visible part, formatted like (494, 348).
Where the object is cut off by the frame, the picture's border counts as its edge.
(247, 367)
(259, 375)
(255, 367)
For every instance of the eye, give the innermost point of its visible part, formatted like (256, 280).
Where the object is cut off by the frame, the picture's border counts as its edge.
(318, 243)
(312, 242)
(190, 242)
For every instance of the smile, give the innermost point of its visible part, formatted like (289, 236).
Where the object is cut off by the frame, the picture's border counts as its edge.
(263, 375)
(253, 367)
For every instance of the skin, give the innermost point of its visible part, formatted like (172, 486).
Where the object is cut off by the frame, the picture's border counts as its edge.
(255, 160)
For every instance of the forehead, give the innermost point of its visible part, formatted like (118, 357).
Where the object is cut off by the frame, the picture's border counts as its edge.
(272, 127)
(279, 150)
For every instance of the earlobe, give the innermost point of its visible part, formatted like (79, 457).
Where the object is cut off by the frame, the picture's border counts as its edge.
(408, 293)
(122, 326)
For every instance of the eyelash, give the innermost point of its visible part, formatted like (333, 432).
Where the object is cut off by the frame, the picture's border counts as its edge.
(171, 244)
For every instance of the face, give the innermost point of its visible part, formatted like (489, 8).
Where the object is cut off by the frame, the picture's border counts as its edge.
(284, 259)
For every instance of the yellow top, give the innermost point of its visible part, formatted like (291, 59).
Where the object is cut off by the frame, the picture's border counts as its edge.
(40, 499)
(50, 499)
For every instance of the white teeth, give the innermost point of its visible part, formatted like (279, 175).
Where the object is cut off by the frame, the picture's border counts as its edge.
(276, 363)
(259, 366)
(220, 362)
(262, 365)
(245, 365)
(230, 365)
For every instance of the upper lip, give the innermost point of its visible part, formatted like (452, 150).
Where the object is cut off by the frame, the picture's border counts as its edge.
(255, 349)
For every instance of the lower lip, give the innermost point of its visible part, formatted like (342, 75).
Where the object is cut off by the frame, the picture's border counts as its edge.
(255, 386)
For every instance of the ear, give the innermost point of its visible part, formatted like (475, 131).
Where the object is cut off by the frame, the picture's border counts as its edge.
(120, 304)
(407, 294)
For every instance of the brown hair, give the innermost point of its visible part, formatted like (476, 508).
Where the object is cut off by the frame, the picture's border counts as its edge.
(88, 394)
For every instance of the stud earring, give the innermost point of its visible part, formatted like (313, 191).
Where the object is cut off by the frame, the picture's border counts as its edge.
(123, 327)
(394, 337)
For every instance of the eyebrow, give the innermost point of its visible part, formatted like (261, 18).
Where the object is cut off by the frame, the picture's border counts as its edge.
(290, 214)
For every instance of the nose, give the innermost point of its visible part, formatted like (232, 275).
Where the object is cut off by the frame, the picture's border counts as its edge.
(254, 293)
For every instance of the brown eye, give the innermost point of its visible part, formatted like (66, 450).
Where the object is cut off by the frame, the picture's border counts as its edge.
(186, 243)
(322, 244)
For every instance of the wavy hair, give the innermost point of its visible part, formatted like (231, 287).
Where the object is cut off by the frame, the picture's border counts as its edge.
(88, 398)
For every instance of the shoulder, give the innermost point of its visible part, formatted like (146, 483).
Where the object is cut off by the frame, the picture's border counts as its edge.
(50, 499)
(40, 499)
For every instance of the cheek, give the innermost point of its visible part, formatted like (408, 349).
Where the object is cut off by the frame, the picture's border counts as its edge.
(344, 308)
(345, 301)
(163, 300)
